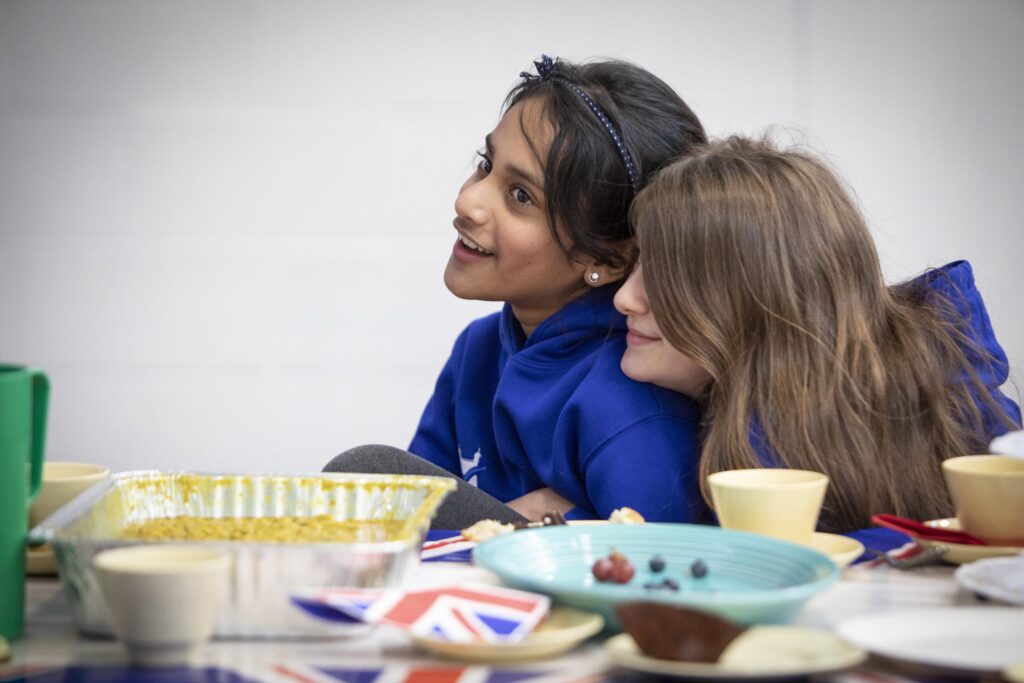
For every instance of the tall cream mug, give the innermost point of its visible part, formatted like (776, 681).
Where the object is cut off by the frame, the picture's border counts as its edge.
(62, 481)
(988, 491)
(774, 502)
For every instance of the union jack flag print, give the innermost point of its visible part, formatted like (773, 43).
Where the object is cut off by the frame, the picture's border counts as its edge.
(462, 614)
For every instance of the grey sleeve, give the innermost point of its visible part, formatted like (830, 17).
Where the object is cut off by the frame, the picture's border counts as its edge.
(463, 507)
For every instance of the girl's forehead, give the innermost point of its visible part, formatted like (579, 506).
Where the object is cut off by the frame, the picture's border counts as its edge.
(525, 125)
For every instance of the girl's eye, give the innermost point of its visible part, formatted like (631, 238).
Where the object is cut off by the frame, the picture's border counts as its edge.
(485, 164)
(522, 196)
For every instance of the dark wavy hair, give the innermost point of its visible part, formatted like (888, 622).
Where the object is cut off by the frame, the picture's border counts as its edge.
(585, 180)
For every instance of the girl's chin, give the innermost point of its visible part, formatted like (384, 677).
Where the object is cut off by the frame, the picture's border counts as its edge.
(464, 289)
(632, 367)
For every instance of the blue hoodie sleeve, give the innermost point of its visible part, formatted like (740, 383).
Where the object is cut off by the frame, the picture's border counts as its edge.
(955, 283)
(651, 467)
(435, 439)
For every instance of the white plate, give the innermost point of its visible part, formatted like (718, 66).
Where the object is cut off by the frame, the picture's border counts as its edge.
(998, 578)
(971, 639)
(562, 629)
(760, 653)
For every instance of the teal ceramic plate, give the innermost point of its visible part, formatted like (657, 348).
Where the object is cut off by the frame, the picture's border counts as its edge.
(750, 578)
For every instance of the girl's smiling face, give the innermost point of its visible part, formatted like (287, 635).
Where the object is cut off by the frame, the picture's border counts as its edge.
(649, 357)
(505, 250)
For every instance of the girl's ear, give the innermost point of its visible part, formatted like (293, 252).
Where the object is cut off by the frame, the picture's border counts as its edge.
(599, 274)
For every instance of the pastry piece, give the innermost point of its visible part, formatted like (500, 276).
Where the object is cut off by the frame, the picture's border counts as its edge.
(553, 518)
(626, 515)
(486, 528)
(676, 633)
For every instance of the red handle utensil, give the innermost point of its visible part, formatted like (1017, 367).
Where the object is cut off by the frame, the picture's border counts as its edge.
(917, 529)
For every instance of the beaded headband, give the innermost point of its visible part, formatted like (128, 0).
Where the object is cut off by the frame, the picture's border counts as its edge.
(547, 69)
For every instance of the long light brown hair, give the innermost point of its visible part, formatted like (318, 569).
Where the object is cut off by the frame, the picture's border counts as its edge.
(759, 266)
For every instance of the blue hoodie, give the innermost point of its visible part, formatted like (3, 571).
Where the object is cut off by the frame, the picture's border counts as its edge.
(512, 414)
(955, 282)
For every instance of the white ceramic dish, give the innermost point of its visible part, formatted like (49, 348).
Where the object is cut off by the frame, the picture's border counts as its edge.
(997, 578)
(760, 653)
(966, 639)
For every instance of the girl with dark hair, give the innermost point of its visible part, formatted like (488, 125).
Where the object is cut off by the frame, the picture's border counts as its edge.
(759, 294)
(532, 408)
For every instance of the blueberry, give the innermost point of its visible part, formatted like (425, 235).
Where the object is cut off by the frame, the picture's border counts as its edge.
(671, 584)
(653, 586)
(657, 564)
(698, 569)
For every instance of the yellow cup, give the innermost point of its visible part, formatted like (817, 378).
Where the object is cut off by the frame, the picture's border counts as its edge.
(62, 481)
(774, 502)
(988, 491)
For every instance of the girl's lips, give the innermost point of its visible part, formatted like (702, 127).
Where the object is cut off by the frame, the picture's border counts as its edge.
(636, 339)
(466, 255)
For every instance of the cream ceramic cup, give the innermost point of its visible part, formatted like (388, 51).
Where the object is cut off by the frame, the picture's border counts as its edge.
(163, 599)
(988, 491)
(62, 481)
(774, 502)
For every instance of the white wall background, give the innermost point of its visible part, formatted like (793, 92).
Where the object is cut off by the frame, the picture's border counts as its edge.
(223, 224)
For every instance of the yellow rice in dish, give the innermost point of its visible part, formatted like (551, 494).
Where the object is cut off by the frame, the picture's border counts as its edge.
(319, 529)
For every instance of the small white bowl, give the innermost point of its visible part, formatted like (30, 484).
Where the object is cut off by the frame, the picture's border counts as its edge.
(163, 599)
(62, 481)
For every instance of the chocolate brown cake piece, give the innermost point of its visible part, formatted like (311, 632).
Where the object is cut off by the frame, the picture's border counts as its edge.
(676, 633)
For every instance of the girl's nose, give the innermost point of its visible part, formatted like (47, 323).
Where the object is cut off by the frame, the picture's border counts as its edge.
(631, 299)
(470, 205)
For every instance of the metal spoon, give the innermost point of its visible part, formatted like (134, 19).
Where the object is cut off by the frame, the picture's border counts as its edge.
(927, 556)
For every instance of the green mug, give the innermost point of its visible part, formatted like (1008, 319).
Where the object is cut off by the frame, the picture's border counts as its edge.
(24, 394)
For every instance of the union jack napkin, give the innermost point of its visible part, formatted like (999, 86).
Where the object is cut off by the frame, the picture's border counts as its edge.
(461, 613)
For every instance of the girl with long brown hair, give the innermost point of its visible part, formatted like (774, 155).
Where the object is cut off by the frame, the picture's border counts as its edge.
(760, 294)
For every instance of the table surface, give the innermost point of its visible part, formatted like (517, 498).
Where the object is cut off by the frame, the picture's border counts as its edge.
(52, 650)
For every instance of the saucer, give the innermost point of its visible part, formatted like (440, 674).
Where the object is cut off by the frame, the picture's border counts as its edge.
(960, 553)
(840, 549)
(996, 578)
(40, 561)
(760, 653)
(562, 629)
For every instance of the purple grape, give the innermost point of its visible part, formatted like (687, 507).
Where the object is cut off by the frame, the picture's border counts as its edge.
(699, 569)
